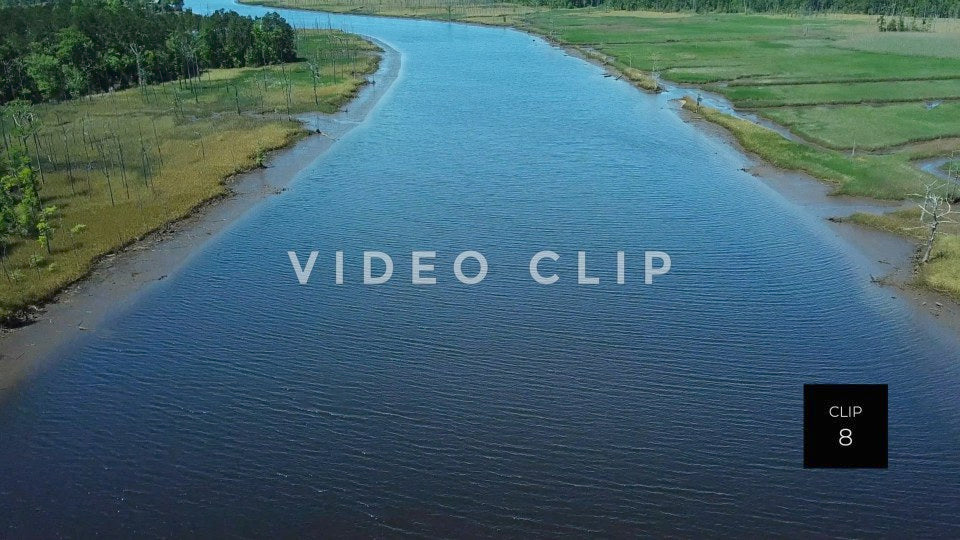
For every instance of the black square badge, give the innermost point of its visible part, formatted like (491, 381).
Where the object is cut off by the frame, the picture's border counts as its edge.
(845, 425)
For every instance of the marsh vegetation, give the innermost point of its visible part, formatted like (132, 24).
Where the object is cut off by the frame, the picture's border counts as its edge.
(110, 168)
(863, 103)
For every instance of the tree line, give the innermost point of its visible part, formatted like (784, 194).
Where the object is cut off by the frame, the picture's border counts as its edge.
(69, 48)
(912, 8)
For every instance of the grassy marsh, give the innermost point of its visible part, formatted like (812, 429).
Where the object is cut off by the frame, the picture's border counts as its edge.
(942, 272)
(889, 176)
(120, 165)
(868, 102)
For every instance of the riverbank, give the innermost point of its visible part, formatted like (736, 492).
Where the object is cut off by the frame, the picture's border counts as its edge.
(115, 167)
(874, 245)
(118, 279)
(881, 225)
(940, 275)
(888, 257)
(869, 129)
(933, 287)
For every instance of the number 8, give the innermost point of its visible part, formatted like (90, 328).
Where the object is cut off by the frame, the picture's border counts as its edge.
(846, 439)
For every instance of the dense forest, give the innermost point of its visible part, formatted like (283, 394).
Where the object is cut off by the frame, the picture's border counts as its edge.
(69, 48)
(913, 8)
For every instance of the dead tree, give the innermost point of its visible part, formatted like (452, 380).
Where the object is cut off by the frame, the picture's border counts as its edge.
(935, 211)
(236, 97)
(66, 148)
(123, 165)
(138, 51)
(146, 170)
(315, 71)
(105, 167)
(3, 131)
(156, 138)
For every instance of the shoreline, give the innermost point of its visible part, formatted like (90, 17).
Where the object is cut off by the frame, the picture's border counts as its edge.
(943, 308)
(117, 280)
(888, 257)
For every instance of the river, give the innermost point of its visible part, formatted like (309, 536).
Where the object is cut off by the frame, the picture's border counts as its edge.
(230, 400)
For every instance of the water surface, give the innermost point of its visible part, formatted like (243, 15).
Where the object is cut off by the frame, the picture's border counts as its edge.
(231, 400)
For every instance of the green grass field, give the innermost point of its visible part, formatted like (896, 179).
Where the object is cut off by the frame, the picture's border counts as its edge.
(863, 100)
(870, 127)
(125, 163)
(779, 95)
(836, 81)
(887, 176)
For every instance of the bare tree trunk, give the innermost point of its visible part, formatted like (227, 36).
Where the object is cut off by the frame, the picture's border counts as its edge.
(66, 147)
(3, 259)
(36, 145)
(86, 148)
(123, 167)
(236, 98)
(930, 241)
(156, 139)
(3, 130)
(106, 170)
(144, 160)
(137, 51)
(934, 211)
